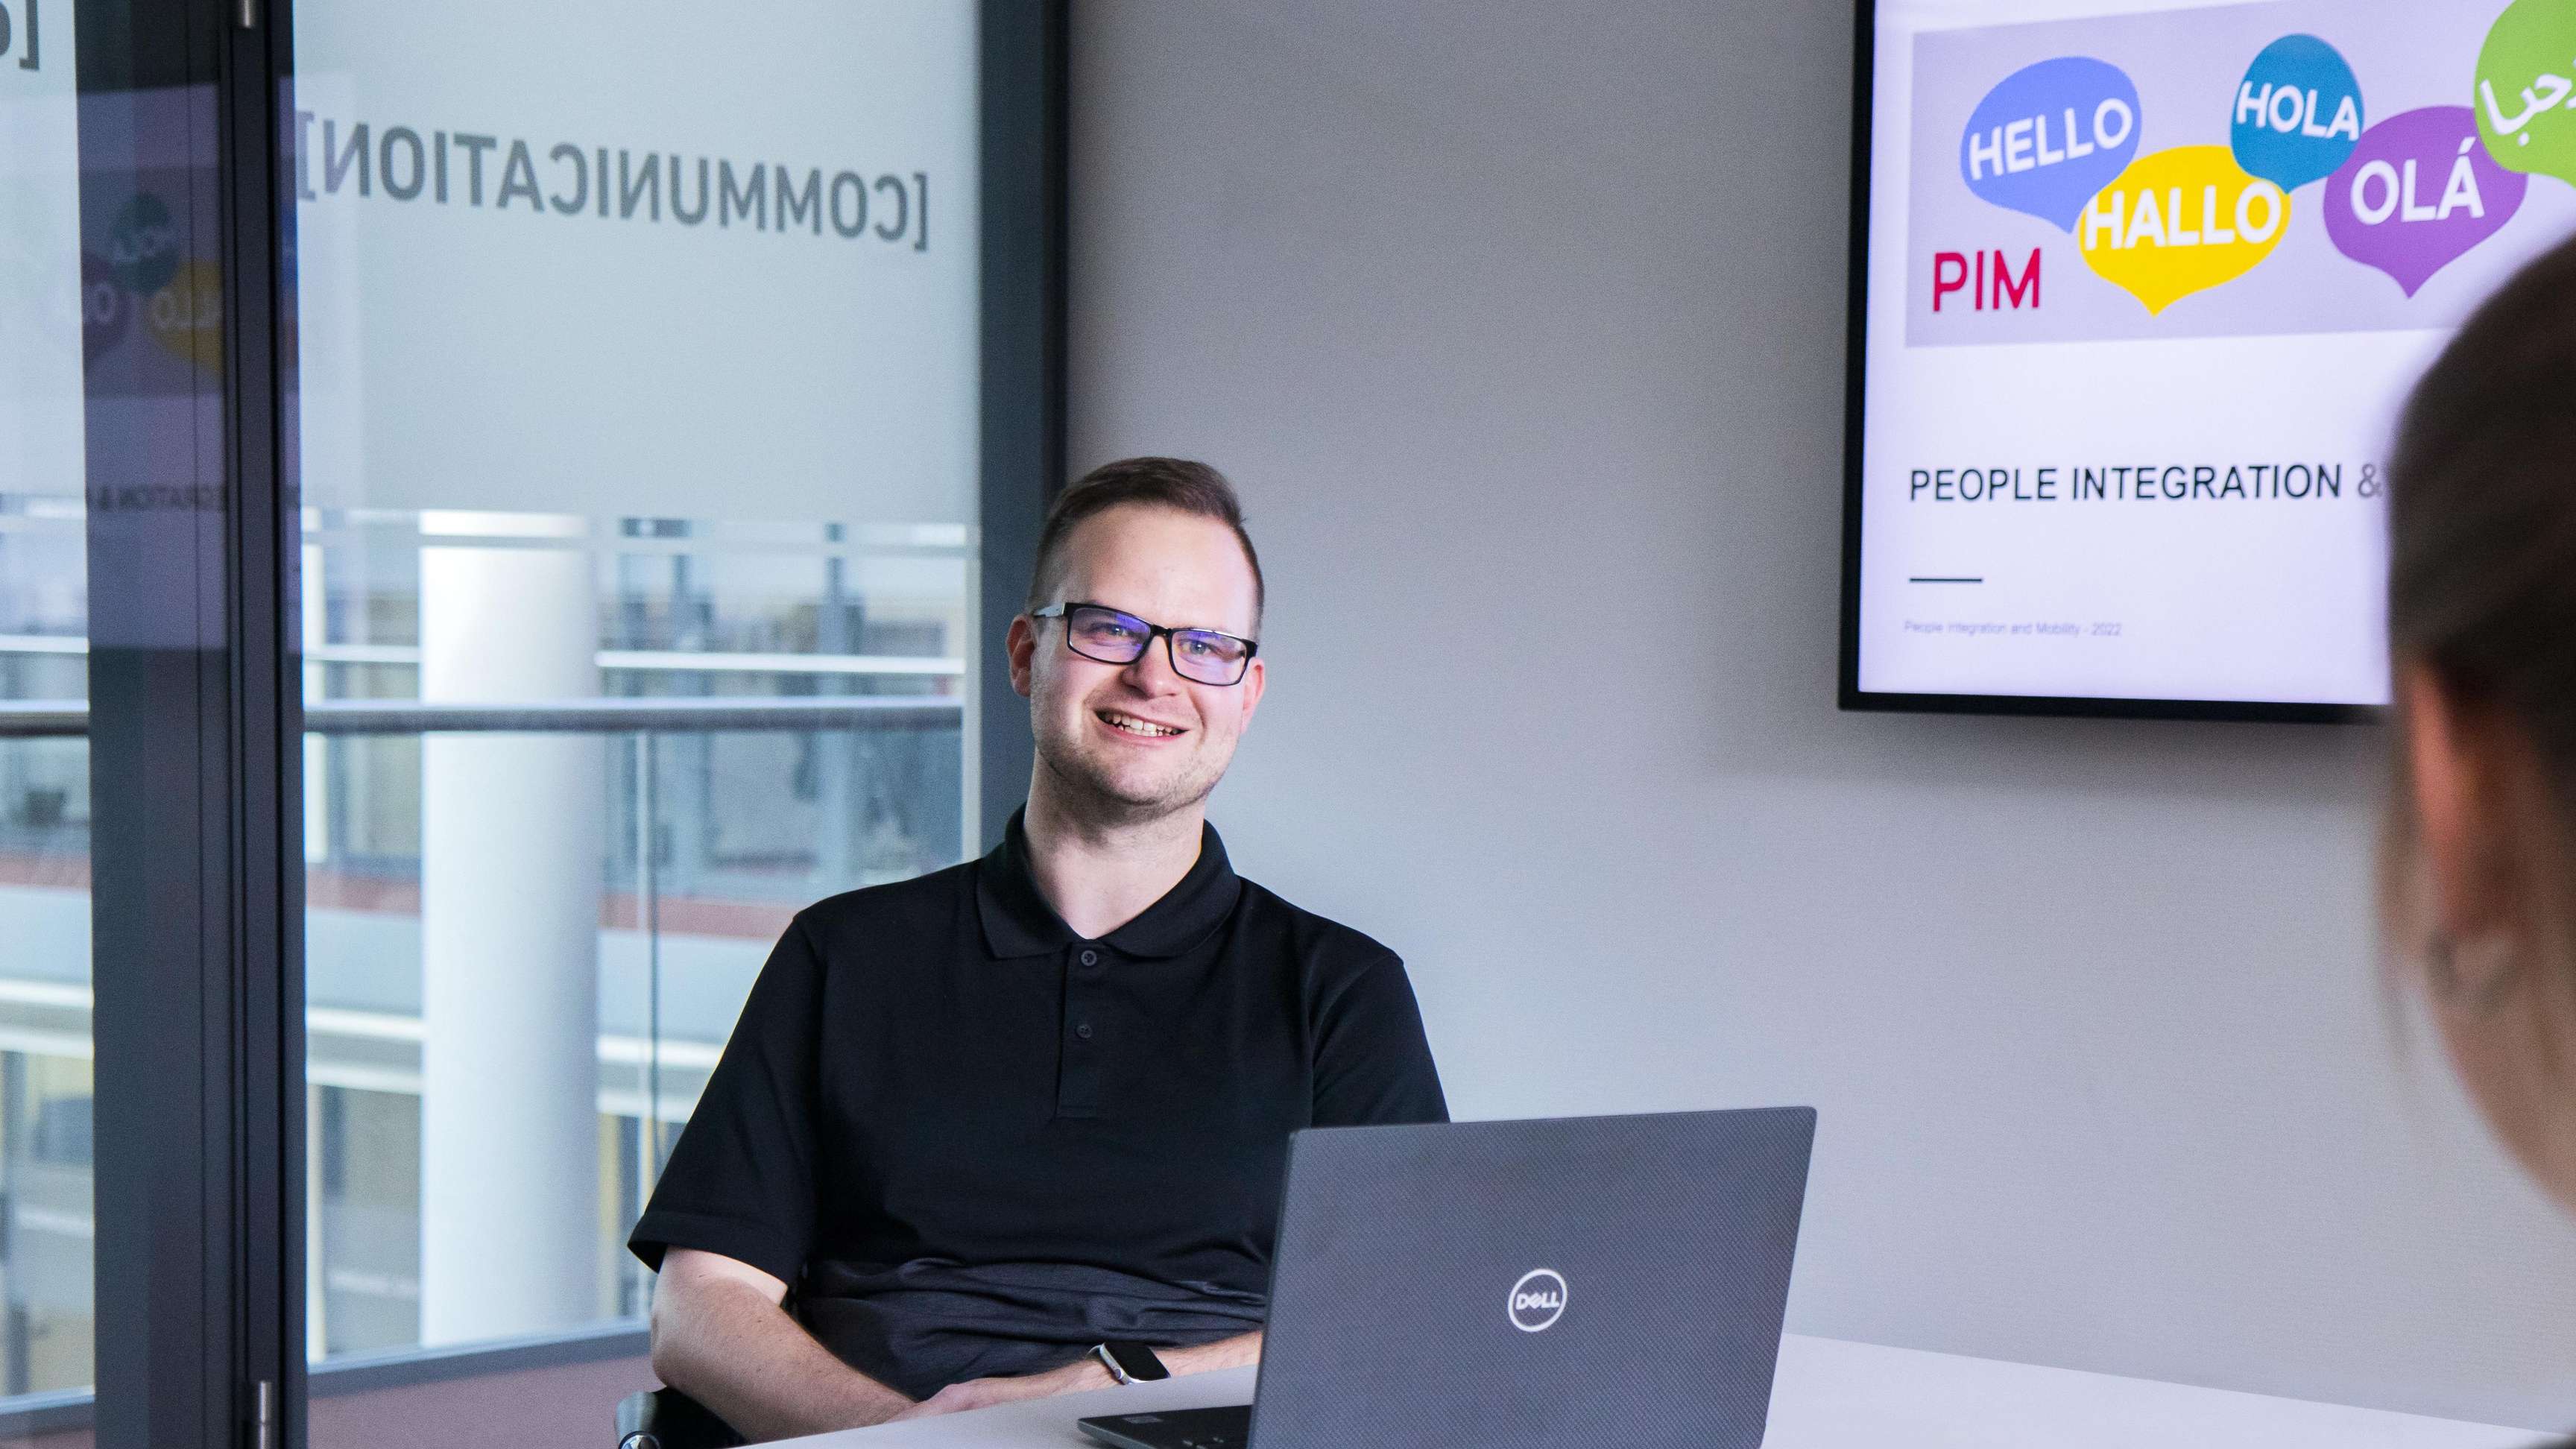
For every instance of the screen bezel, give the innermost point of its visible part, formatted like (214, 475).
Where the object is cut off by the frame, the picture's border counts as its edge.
(1849, 695)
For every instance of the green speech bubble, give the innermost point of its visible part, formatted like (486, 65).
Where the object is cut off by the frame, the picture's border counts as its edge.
(2526, 96)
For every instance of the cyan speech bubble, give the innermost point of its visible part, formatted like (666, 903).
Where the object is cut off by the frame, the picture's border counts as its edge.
(2417, 193)
(2297, 113)
(144, 245)
(2050, 135)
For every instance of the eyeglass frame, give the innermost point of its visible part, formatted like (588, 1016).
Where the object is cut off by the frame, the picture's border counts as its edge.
(1064, 610)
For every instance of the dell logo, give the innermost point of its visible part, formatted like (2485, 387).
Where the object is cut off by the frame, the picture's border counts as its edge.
(1537, 1301)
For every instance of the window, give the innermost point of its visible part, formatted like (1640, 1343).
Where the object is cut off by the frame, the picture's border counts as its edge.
(57, 304)
(605, 468)
(640, 428)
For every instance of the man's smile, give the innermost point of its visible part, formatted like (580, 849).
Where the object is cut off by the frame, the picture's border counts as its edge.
(1136, 725)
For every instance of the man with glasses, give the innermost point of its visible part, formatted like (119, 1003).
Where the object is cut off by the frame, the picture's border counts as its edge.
(1017, 1128)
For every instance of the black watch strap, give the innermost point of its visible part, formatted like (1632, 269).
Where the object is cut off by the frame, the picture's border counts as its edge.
(1130, 1362)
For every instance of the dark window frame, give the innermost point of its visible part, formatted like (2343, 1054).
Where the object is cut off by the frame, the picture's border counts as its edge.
(1023, 112)
(194, 759)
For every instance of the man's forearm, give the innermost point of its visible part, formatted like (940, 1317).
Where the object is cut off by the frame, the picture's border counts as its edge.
(1235, 1352)
(742, 1356)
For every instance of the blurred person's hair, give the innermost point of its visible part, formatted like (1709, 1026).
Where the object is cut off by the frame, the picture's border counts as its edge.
(2482, 593)
(1179, 484)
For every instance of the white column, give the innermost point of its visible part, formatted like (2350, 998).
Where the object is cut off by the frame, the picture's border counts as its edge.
(512, 833)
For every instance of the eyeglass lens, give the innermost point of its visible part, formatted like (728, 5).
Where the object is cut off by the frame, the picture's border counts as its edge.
(1115, 638)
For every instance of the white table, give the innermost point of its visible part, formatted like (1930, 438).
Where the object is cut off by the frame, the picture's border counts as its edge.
(1836, 1395)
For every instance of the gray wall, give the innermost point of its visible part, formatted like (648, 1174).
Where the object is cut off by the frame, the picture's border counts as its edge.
(1520, 323)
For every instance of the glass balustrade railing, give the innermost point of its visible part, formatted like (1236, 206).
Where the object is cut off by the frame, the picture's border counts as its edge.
(777, 714)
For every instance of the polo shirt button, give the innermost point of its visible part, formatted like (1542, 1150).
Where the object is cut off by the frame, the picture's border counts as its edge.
(1090, 958)
(1083, 1031)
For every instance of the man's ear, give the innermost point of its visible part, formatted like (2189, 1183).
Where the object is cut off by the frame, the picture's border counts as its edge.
(1021, 644)
(2454, 769)
(1256, 678)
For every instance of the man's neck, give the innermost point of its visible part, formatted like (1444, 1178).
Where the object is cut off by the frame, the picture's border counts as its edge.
(1099, 876)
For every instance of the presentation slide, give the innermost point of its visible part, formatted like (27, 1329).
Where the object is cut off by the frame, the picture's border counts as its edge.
(2147, 285)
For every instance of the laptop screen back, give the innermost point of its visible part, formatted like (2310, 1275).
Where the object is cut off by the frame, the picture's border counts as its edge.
(1533, 1285)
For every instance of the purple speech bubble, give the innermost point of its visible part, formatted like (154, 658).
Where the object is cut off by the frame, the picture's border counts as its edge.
(2417, 193)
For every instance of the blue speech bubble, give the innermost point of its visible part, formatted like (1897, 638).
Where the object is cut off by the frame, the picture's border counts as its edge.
(2297, 114)
(2050, 135)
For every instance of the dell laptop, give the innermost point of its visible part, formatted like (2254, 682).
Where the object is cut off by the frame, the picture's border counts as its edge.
(1521, 1285)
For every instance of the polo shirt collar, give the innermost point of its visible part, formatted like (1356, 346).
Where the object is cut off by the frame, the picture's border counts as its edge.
(1019, 922)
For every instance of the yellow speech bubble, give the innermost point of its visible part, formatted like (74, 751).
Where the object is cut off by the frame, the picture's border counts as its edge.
(2180, 221)
(187, 316)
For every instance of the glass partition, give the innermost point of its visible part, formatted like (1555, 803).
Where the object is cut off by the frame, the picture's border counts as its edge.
(779, 718)
(637, 363)
(46, 1228)
(635, 431)
(58, 302)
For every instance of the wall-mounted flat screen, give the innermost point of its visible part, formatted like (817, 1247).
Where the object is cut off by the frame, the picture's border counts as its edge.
(2138, 289)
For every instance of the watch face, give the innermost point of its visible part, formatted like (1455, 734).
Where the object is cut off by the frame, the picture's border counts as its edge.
(1136, 1361)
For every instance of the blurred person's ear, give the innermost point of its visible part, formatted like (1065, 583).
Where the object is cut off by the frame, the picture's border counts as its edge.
(2505, 1005)
(2456, 765)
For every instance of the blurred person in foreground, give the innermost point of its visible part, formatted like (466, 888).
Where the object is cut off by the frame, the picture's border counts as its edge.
(2479, 865)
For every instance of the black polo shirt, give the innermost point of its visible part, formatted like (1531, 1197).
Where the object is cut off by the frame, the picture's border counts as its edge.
(974, 1143)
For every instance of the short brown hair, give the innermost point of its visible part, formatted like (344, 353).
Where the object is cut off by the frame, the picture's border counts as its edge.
(2482, 582)
(1180, 484)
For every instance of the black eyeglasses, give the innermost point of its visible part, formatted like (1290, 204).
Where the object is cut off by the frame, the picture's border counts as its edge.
(1096, 631)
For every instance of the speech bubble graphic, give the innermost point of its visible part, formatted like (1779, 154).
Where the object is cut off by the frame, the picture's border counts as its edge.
(2048, 135)
(187, 316)
(2417, 193)
(2526, 95)
(106, 308)
(2181, 221)
(2298, 112)
(143, 245)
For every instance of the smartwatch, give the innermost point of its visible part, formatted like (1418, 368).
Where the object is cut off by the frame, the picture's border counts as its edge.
(1129, 1362)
